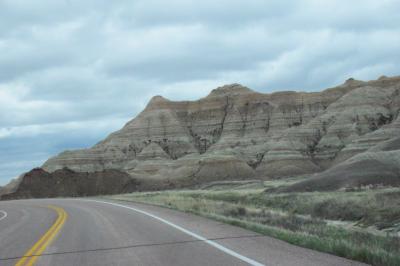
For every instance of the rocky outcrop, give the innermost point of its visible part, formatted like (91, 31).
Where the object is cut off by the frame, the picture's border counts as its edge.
(278, 134)
(236, 133)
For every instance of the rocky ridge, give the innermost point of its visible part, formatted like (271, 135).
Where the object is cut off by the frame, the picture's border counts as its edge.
(235, 133)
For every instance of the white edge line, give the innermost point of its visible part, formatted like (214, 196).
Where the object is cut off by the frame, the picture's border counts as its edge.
(4, 215)
(199, 237)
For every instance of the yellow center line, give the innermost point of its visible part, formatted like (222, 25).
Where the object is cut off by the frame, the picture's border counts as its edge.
(40, 246)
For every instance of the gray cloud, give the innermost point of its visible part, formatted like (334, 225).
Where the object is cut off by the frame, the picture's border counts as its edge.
(73, 71)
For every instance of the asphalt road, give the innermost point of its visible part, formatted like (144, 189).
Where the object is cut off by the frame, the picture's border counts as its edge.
(83, 232)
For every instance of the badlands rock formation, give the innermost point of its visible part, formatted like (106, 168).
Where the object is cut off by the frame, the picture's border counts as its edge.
(235, 133)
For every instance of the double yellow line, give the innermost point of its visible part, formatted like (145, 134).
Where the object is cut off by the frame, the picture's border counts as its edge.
(36, 250)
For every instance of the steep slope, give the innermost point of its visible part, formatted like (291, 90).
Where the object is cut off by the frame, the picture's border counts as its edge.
(236, 133)
(379, 165)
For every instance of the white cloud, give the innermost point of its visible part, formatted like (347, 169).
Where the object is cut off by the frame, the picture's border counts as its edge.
(102, 125)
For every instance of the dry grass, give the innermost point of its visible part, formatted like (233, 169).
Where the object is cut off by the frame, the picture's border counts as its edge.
(301, 218)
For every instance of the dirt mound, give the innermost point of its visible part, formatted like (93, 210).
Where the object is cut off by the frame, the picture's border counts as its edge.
(66, 183)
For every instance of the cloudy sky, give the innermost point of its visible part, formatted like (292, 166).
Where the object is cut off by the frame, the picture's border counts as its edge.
(72, 71)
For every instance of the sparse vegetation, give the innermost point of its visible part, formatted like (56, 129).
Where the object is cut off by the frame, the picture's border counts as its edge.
(362, 225)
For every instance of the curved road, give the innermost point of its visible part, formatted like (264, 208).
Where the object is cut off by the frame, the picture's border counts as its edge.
(87, 232)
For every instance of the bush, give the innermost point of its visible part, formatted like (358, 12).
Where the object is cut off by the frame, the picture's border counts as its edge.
(338, 210)
(234, 211)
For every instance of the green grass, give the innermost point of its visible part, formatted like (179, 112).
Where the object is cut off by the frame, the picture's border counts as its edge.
(301, 218)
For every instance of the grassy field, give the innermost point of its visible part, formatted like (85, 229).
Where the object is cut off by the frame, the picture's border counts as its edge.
(361, 225)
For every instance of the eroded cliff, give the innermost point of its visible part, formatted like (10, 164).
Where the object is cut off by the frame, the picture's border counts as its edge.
(236, 133)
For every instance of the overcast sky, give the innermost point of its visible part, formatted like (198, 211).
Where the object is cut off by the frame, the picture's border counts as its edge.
(72, 71)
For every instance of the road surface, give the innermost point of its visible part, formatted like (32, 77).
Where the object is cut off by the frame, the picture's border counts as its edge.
(98, 232)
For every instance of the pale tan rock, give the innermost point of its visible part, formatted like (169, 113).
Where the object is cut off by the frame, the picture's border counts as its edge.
(247, 133)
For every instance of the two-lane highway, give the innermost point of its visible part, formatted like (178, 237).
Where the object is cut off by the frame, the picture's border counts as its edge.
(96, 232)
